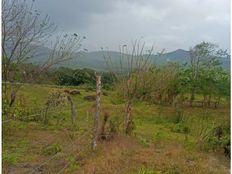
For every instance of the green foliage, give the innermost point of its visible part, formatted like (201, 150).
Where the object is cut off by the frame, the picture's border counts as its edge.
(51, 149)
(202, 75)
(144, 141)
(145, 170)
(72, 163)
(9, 158)
(156, 126)
(70, 77)
(114, 125)
(181, 128)
(219, 137)
(18, 110)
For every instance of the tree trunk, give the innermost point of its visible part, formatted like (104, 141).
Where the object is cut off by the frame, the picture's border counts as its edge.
(96, 119)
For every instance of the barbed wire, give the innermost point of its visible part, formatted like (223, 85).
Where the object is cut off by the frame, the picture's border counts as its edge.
(42, 164)
(5, 121)
(33, 115)
(63, 168)
(70, 146)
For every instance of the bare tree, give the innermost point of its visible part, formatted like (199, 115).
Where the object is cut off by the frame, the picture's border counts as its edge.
(23, 29)
(132, 64)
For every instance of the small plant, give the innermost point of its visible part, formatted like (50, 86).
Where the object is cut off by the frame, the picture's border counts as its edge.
(147, 171)
(9, 158)
(180, 128)
(105, 93)
(114, 125)
(178, 117)
(72, 163)
(51, 149)
(131, 127)
(144, 141)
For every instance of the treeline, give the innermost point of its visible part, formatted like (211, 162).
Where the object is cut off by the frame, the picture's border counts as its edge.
(75, 77)
(172, 84)
(202, 82)
(28, 73)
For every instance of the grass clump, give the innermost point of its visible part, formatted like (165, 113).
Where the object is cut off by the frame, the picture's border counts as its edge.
(9, 158)
(145, 170)
(72, 163)
(180, 128)
(51, 149)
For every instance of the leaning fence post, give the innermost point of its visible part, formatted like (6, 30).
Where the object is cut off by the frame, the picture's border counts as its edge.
(96, 118)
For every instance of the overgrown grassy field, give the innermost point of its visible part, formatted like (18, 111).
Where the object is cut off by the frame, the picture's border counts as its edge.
(164, 140)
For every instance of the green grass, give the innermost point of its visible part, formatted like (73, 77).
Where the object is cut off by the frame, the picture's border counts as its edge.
(51, 149)
(154, 125)
(9, 158)
(146, 171)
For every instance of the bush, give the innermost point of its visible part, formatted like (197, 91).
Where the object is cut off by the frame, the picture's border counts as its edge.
(219, 138)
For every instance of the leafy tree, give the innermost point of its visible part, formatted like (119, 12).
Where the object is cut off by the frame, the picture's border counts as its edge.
(204, 59)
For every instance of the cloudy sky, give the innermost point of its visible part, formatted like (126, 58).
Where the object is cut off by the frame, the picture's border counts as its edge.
(168, 24)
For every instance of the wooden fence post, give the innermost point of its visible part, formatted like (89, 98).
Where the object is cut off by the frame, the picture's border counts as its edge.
(96, 118)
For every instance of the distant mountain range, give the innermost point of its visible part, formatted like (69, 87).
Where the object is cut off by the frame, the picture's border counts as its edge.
(95, 60)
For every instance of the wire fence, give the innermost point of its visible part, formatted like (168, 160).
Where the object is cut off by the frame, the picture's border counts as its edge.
(71, 143)
(33, 115)
(80, 136)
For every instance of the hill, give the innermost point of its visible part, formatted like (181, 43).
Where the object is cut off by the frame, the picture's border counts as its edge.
(96, 60)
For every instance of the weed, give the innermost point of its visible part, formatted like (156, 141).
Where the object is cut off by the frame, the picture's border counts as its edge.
(114, 125)
(144, 141)
(72, 163)
(9, 158)
(180, 128)
(145, 170)
(51, 149)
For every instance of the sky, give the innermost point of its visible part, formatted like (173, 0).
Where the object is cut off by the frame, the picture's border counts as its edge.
(165, 24)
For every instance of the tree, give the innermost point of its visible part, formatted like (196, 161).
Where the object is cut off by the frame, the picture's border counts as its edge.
(132, 64)
(203, 56)
(23, 29)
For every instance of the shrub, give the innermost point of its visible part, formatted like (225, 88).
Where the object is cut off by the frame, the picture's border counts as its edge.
(219, 138)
